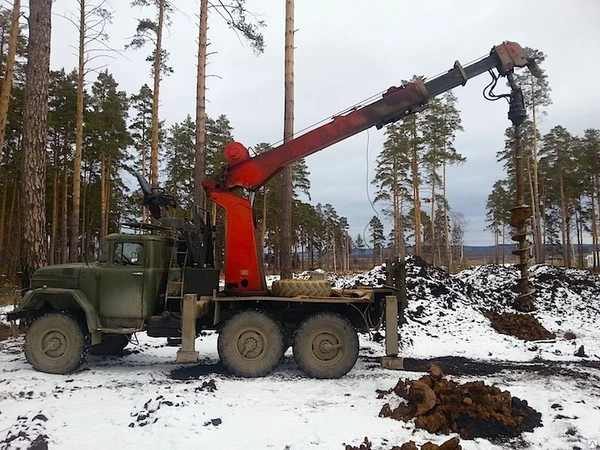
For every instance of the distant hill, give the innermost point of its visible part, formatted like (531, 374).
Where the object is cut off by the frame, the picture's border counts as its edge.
(471, 251)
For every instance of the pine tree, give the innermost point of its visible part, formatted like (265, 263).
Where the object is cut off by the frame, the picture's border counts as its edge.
(441, 122)
(377, 239)
(536, 95)
(179, 155)
(588, 164)
(108, 139)
(498, 211)
(62, 118)
(35, 112)
(141, 128)
(149, 30)
(392, 179)
(557, 159)
(90, 26)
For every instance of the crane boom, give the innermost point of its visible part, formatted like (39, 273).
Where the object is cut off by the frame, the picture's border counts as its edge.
(243, 268)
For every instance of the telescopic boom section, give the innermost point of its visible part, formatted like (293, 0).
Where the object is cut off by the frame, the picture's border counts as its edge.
(243, 268)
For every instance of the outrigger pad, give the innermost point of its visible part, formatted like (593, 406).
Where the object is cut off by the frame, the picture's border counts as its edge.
(154, 198)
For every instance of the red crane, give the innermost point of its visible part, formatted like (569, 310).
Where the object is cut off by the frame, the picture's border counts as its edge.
(244, 273)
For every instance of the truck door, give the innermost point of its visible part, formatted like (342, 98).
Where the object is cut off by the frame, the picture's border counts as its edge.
(122, 283)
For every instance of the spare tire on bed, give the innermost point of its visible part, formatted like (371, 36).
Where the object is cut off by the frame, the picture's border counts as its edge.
(295, 288)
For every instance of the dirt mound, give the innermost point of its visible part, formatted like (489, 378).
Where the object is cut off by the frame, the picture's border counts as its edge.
(558, 289)
(523, 326)
(451, 444)
(471, 409)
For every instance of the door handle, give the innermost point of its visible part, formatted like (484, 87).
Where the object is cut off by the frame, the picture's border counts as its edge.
(137, 274)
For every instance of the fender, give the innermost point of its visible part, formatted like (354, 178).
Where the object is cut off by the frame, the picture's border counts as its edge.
(59, 299)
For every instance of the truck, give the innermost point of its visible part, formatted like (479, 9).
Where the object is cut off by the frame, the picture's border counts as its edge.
(141, 279)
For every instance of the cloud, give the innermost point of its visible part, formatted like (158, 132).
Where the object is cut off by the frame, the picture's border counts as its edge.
(348, 50)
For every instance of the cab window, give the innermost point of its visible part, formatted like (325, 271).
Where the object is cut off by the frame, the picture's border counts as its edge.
(128, 254)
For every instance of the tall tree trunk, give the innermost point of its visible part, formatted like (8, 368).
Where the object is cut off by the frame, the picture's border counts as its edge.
(333, 247)
(579, 228)
(535, 225)
(503, 243)
(594, 225)
(55, 194)
(3, 220)
(13, 222)
(416, 196)
(396, 208)
(569, 246)
(145, 214)
(103, 200)
(156, 95)
(263, 221)
(537, 217)
(433, 247)
(8, 73)
(446, 218)
(2, 52)
(75, 213)
(496, 249)
(64, 218)
(288, 134)
(107, 196)
(564, 222)
(35, 116)
(200, 155)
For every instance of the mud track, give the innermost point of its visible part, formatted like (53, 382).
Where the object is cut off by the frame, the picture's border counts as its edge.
(458, 365)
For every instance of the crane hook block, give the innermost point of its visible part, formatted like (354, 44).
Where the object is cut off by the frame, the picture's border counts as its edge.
(235, 152)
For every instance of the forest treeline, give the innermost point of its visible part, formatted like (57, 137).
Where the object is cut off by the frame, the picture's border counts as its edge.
(97, 135)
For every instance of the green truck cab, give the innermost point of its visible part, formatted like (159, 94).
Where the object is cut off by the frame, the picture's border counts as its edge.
(99, 305)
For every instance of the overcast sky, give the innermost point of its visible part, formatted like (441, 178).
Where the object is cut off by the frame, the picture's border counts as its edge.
(348, 50)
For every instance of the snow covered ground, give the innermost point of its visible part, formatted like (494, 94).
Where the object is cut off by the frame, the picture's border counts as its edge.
(134, 401)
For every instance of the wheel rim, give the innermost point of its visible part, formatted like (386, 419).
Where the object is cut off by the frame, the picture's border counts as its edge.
(325, 347)
(53, 345)
(250, 345)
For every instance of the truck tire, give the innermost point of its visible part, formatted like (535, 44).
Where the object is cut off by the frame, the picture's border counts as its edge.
(111, 345)
(294, 288)
(251, 344)
(326, 346)
(56, 343)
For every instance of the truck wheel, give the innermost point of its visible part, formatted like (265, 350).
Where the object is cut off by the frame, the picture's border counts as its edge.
(111, 345)
(294, 288)
(251, 344)
(56, 343)
(326, 346)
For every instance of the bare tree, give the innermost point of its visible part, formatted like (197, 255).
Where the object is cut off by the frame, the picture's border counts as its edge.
(91, 22)
(200, 155)
(288, 134)
(35, 118)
